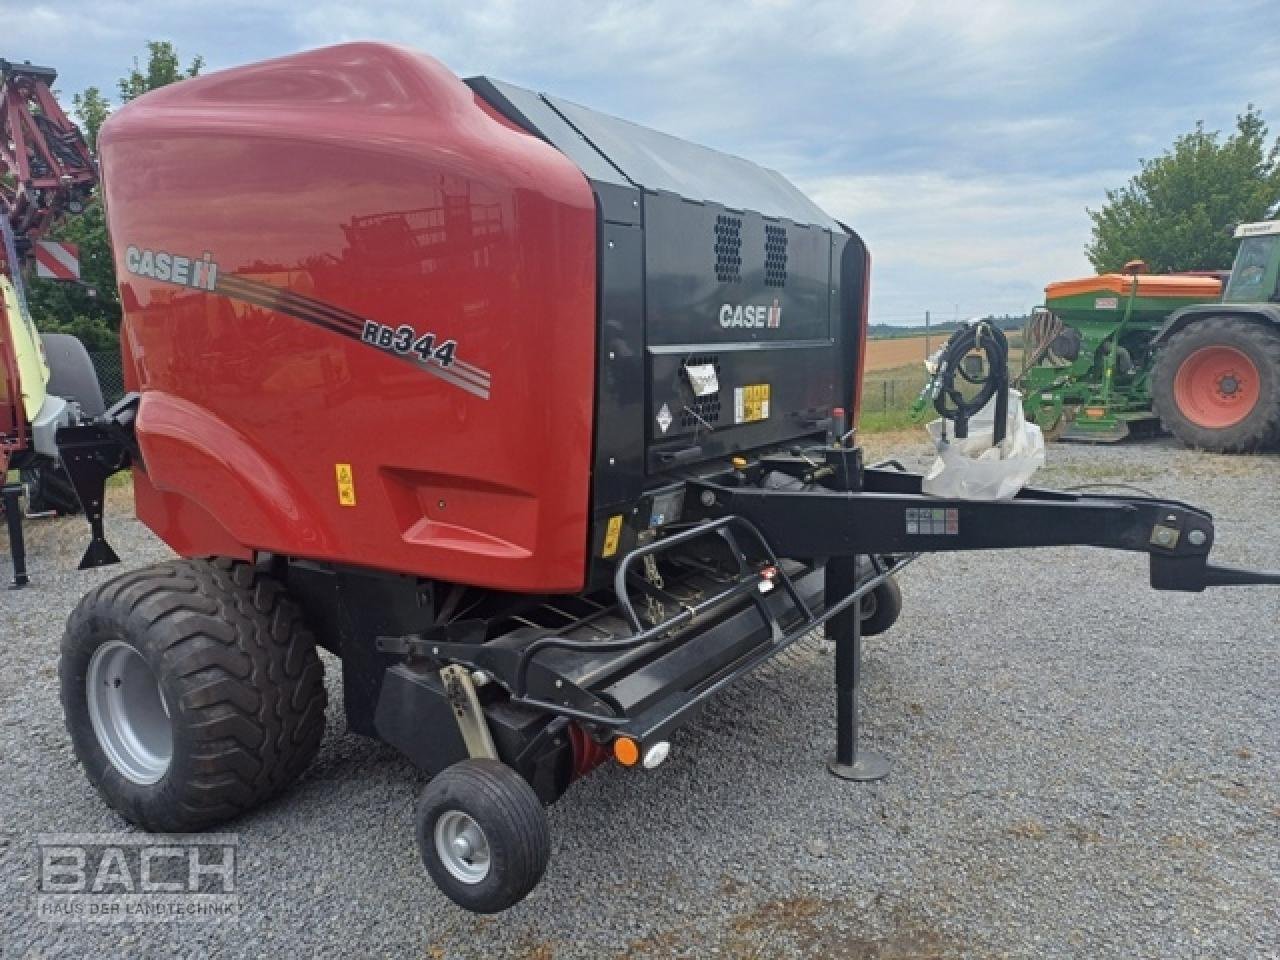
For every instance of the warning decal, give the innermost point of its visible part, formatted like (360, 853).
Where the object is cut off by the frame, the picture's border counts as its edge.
(612, 534)
(751, 403)
(346, 484)
(57, 260)
(933, 521)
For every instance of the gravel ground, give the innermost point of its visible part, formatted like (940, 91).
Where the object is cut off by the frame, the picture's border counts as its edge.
(1083, 768)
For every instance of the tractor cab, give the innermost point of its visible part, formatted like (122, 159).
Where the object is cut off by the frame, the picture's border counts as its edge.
(1256, 272)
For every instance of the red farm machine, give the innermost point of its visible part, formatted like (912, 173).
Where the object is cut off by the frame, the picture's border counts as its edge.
(46, 381)
(542, 422)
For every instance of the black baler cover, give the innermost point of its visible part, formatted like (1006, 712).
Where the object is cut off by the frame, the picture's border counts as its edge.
(610, 150)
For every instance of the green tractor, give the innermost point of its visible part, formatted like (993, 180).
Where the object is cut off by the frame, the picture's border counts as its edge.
(1118, 354)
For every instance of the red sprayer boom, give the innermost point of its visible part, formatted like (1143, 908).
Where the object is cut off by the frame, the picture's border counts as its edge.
(45, 166)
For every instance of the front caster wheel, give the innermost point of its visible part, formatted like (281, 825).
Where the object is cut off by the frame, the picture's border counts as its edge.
(483, 835)
(880, 608)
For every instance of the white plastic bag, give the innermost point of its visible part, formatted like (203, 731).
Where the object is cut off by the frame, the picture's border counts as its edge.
(973, 469)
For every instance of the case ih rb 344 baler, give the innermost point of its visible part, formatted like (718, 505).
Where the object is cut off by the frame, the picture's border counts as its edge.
(534, 417)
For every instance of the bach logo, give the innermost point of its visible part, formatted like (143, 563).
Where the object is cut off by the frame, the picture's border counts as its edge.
(757, 315)
(117, 877)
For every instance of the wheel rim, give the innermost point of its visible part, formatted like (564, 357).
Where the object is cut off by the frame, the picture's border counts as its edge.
(869, 604)
(128, 713)
(1216, 387)
(462, 846)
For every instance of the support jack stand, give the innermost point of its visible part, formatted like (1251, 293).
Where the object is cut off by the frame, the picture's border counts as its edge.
(12, 493)
(849, 763)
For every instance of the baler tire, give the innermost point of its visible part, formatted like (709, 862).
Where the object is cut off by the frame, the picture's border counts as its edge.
(880, 608)
(513, 827)
(238, 678)
(1260, 345)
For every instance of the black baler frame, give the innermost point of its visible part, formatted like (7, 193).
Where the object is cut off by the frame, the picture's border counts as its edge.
(841, 512)
(829, 510)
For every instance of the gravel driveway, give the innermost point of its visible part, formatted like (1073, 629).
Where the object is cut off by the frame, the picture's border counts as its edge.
(1083, 768)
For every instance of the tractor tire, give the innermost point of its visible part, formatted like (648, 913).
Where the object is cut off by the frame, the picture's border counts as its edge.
(1216, 385)
(483, 835)
(192, 692)
(49, 489)
(880, 608)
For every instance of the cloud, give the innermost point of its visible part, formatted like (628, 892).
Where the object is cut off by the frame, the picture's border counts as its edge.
(964, 140)
(996, 241)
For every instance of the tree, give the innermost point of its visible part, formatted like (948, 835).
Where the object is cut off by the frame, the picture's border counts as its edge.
(91, 311)
(92, 110)
(163, 68)
(1177, 212)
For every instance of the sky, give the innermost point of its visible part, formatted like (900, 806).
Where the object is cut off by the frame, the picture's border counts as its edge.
(963, 141)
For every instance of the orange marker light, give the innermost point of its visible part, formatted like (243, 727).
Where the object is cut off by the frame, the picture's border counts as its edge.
(626, 751)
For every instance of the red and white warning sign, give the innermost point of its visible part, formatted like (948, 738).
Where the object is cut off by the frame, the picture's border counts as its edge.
(56, 260)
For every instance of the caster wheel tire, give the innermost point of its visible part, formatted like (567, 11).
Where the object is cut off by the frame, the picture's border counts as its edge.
(880, 608)
(483, 835)
(192, 692)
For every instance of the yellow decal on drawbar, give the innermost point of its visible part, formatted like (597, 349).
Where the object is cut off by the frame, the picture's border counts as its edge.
(612, 534)
(346, 484)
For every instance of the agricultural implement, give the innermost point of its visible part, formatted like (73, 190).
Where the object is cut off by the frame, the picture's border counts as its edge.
(1089, 352)
(542, 422)
(1116, 355)
(45, 381)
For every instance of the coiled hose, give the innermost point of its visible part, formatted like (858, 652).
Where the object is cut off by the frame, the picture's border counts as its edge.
(949, 401)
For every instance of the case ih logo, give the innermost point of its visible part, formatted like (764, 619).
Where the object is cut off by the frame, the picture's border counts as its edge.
(751, 315)
(171, 268)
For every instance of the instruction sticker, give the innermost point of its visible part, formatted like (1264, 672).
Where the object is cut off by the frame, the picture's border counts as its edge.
(933, 521)
(1106, 303)
(751, 403)
(346, 484)
(612, 534)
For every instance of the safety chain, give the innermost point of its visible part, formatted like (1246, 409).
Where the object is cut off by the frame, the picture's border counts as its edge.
(654, 608)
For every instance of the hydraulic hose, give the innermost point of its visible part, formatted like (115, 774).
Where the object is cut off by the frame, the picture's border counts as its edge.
(949, 401)
(1038, 336)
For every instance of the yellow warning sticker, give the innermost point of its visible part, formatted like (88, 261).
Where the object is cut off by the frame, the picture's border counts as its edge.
(346, 484)
(612, 534)
(751, 403)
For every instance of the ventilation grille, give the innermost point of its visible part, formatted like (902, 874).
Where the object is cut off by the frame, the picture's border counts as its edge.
(728, 249)
(707, 408)
(775, 256)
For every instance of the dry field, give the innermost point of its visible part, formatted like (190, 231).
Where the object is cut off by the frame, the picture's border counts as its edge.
(899, 351)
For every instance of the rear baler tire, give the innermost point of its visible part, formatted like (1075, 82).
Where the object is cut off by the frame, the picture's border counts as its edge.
(1261, 344)
(239, 680)
(880, 608)
(513, 824)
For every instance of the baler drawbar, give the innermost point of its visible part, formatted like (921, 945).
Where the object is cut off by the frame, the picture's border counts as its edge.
(627, 480)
